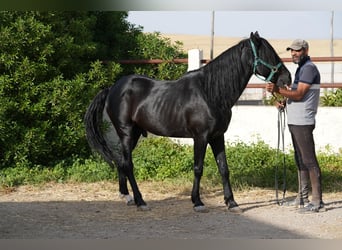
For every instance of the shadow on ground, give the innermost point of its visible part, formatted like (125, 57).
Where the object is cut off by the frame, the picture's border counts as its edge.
(171, 218)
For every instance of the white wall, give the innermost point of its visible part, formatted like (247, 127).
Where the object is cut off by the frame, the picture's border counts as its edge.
(253, 123)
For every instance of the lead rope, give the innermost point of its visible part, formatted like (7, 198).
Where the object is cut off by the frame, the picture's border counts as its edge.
(281, 132)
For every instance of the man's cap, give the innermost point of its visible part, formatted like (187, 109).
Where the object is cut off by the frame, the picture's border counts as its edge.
(298, 44)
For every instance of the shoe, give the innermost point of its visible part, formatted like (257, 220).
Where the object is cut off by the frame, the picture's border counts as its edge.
(311, 208)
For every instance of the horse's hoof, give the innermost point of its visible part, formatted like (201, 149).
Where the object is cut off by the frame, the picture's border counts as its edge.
(235, 210)
(143, 208)
(129, 199)
(201, 209)
(130, 202)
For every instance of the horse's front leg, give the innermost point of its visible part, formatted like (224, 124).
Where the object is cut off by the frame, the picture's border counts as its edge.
(199, 154)
(218, 148)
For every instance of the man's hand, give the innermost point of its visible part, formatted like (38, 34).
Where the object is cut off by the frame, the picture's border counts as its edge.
(280, 104)
(280, 101)
(272, 88)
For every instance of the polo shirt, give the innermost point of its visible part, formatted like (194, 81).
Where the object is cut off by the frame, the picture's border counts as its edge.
(303, 112)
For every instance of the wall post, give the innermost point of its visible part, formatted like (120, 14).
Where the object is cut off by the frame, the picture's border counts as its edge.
(194, 59)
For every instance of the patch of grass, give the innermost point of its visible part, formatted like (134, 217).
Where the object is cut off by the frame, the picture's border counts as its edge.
(160, 159)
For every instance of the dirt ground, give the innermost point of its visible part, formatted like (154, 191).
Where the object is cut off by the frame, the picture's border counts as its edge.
(95, 211)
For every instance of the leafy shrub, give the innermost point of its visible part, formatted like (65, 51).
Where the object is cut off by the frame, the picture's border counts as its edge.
(51, 68)
(154, 46)
(89, 171)
(48, 75)
(21, 175)
(333, 98)
(159, 158)
(331, 171)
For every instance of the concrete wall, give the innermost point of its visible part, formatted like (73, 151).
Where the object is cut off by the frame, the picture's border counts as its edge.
(253, 123)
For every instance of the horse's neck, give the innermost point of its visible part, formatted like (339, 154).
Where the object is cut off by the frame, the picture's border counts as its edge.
(240, 86)
(225, 85)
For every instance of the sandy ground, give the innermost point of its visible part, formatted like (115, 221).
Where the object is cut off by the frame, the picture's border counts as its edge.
(94, 211)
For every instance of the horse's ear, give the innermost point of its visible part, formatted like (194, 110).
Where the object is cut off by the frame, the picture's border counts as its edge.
(255, 38)
(251, 36)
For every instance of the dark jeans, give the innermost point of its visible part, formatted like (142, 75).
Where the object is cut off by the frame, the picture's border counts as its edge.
(305, 156)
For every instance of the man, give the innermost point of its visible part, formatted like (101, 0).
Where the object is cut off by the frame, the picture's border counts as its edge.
(302, 104)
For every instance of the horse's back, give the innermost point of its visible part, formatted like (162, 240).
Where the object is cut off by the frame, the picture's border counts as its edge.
(137, 88)
(129, 89)
(168, 108)
(132, 83)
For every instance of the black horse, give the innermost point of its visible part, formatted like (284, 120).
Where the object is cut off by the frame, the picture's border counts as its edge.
(198, 106)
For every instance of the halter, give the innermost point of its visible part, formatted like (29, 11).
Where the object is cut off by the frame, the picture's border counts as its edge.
(257, 60)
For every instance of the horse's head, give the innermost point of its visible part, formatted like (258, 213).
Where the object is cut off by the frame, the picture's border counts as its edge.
(267, 65)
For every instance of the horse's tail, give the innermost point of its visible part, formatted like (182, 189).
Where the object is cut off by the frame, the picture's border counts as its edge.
(100, 133)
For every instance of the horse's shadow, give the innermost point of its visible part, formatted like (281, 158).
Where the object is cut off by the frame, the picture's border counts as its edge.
(247, 206)
(331, 205)
(257, 204)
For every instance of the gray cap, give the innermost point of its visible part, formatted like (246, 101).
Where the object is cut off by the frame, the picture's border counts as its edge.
(298, 44)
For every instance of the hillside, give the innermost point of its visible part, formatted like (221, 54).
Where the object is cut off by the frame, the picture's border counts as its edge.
(317, 47)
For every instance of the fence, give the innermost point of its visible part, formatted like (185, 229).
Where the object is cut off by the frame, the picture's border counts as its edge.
(195, 61)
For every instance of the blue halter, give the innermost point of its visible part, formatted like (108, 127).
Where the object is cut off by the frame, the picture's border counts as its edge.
(257, 60)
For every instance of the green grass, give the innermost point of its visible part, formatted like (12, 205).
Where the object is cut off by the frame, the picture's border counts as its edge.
(160, 159)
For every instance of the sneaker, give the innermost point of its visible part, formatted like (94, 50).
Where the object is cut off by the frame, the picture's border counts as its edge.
(311, 208)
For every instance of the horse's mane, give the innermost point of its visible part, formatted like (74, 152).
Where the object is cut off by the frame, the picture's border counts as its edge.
(226, 77)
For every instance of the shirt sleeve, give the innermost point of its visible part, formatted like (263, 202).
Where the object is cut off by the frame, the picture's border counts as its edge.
(308, 74)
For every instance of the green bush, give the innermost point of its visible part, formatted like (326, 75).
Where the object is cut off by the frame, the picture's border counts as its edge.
(330, 164)
(21, 175)
(50, 70)
(333, 98)
(154, 46)
(160, 159)
(254, 165)
(89, 171)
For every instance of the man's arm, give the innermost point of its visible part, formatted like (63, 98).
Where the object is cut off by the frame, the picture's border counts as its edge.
(295, 95)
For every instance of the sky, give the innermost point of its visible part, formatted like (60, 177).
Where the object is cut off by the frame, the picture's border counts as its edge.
(269, 24)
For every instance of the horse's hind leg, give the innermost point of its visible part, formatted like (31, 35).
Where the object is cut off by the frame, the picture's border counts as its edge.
(199, 153)
(124, 194)
(128, 170)
(128, 144)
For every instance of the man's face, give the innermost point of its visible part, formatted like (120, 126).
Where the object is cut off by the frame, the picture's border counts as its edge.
(297, 55)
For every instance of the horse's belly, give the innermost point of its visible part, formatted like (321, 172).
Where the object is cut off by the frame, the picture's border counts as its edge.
(169, 130)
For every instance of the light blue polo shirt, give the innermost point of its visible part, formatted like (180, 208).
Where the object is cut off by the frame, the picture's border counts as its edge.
(303, 112)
